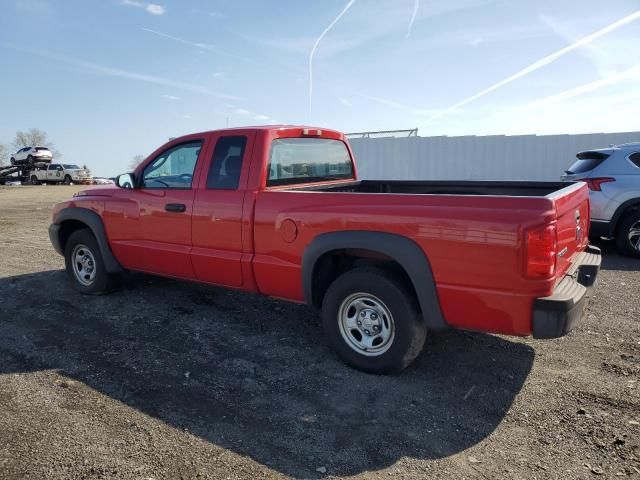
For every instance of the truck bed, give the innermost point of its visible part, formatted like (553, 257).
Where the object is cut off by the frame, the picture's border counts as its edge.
(420, 187)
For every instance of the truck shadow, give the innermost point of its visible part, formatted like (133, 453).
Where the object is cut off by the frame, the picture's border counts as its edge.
(612, 260)
(253, 375)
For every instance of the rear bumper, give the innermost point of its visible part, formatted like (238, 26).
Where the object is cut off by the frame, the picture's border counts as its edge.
(554, 316)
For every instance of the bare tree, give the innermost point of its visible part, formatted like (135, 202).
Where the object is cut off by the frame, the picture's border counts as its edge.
(35, 137)
(4, 151)
(135, 161)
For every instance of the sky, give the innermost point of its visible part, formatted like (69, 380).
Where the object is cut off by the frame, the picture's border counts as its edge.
(110, 79)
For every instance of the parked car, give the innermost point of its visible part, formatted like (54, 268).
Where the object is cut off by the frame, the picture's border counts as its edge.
(60, 173)
(280, 211)
(29, 155)
(103, 181)
(613, 177)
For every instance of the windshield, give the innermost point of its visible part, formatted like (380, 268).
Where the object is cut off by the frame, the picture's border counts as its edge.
(303, 160)
(71, 167)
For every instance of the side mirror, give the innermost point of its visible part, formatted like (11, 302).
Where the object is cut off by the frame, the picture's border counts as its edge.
(126, 180)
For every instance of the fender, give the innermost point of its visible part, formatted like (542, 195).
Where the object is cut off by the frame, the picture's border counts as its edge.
(92, 220)
(401, 249)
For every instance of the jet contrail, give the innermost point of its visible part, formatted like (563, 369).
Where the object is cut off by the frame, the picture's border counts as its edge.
(416, 6)
(541, 63)
(315, 46)
(628, 74)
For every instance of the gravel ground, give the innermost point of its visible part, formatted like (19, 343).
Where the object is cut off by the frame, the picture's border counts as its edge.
(165, 379)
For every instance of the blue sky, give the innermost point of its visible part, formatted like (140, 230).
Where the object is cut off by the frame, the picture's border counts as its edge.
(109, 79)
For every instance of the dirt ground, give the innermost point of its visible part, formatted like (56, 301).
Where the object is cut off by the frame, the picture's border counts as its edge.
(165, 379)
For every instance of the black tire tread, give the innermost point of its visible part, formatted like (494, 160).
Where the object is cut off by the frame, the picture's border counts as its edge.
(105, 282)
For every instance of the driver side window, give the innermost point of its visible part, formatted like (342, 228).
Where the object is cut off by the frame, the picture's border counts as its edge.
(173, 168)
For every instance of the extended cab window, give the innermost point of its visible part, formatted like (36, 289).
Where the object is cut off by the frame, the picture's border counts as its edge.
(173, 168)
(226, 163)
(301, 160)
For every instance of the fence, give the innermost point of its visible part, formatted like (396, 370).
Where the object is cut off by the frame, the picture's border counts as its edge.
(495, 157)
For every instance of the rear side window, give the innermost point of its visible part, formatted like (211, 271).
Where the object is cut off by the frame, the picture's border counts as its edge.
(41, 149)
(635, 159)
(226, 163)
(587, 161)
(303, 160)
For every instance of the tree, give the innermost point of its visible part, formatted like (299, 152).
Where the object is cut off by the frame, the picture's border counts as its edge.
(35, 138)
(135, 161)
(4, 152)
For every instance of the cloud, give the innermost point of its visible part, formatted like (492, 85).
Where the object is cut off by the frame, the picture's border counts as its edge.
(629, 74)
(170, 97)
(152, 8)
(541, 63)
(345, 101)
(261, 117)
(315, 46)
(98, 69)
(416, 6)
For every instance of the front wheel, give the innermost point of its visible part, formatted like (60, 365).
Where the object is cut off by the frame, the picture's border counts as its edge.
(372, 320)
(84, 265)
(30, 159)
(628, 235)
(67, 180)
(34, 180)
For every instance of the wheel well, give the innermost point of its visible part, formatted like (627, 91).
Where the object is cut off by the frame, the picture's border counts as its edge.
(67, 227)
(627, 209)
(336, 262)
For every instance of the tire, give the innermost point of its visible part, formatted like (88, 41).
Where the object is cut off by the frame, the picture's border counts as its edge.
(92, 277)
(67, 180)
(628, 234)
(12, 161)
(377, 299)
(30, 159)
(34, 180)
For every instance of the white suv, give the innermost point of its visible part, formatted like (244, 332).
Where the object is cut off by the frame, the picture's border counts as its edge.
(613, 177)
(30, 155)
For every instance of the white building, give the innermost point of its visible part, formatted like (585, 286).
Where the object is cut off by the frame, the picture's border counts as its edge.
(494, 157)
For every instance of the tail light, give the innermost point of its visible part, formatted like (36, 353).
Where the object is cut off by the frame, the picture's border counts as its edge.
(594, 184)
(540, 252)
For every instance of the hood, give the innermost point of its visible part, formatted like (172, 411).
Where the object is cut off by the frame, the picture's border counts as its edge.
(97, 191)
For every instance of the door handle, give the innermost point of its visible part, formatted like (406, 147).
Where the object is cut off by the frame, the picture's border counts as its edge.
(175, 207)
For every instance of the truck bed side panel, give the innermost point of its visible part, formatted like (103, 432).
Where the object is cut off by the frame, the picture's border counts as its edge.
(474, 245)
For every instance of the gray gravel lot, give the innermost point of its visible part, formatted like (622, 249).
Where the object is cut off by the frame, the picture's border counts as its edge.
(165, 379)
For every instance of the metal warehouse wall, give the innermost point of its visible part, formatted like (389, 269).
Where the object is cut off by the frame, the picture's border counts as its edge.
(495, 157)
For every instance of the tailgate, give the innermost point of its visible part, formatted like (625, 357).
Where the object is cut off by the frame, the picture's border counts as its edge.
(572, 212)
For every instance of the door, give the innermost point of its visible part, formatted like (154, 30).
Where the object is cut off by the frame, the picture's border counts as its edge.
(217, 211)
(149, 227)
(54, 173)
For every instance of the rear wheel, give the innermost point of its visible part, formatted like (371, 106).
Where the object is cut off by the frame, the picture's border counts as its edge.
(34, 180)
(628, 234)
(85, 266)
(30, 159)
(13, 161)
(372, 320)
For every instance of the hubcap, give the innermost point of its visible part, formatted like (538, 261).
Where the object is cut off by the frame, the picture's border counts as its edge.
(84, 265)
(366, 324)
(634, 235)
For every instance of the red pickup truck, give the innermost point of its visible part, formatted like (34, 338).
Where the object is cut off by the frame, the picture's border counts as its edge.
(280, 211)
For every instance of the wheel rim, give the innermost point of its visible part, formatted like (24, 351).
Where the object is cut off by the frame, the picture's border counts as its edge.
(366, 324)
(84, 265)
(634, 235)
